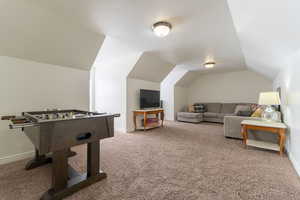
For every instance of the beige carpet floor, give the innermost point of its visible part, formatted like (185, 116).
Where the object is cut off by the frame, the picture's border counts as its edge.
(178, 162)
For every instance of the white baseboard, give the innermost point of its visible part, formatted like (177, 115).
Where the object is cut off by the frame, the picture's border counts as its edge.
(295, 163)
(16, 157)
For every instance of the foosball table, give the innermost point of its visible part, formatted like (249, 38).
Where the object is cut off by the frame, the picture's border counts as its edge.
(53, 133)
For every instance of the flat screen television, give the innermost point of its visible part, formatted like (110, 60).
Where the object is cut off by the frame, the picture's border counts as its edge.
(149, 99)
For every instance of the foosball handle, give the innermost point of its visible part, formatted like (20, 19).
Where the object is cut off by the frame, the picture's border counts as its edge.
(8, 117)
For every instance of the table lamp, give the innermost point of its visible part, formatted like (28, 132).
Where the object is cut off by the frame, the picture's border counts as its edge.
(269, 99)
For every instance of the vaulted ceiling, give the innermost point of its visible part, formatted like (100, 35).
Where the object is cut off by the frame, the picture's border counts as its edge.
(30, 31)
(236, 34)
(151, 67)
(268, 31)
(202, 29)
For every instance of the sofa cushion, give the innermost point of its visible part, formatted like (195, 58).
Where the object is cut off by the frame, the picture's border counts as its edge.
(210, 115)
(228, 107)
(213, 107)
(222, 115)
(189, 114)
(242, 108)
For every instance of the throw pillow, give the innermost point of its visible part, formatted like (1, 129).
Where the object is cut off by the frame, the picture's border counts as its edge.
(257, 113)
(254, 107)
(199, 108)
(242, 108)
(191, 108)
(244, 113)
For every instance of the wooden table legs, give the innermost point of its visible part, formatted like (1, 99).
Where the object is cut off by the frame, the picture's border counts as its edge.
(281, 140)
(279, 131)
(93, 159)
(145, 122)
(37, 161)
(162, 117)
(245, 135)
(59, 170)
(65, 180)
(134, 121)
(40, 160)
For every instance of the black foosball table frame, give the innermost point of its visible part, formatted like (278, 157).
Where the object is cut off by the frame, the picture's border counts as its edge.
(53, 133)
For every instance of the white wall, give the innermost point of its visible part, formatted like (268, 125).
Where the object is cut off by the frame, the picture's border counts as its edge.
(288, 80)
(168, 92)
(26, 86)
(114, 62)
(180, 99)
(240, 86)
(133, 96)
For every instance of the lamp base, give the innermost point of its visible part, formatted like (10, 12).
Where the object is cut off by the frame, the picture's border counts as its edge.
(269, 114)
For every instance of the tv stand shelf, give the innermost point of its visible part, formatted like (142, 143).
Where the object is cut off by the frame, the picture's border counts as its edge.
(149, 123)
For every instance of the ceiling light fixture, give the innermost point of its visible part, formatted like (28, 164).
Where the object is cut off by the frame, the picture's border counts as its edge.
(209, 64)
(161, 29)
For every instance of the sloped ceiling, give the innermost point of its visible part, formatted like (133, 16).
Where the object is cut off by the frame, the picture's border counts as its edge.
(173, 77)
(187, 79)
(29, 31)
(116, 54)
(258, 34)
(151, 67)
(202, 29)
(268, 31)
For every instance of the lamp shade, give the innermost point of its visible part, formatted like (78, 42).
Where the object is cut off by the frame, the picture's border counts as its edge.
(269, 98)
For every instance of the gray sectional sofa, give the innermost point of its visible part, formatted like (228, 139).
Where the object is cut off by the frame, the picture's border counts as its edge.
(214, 112)
(190, 117)
(232, 129)
(225, 113)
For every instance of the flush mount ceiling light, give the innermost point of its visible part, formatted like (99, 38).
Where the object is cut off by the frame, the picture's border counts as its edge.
(209, 64)
(161, 29)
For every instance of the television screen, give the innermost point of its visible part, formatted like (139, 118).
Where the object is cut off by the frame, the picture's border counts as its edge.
(149, 99)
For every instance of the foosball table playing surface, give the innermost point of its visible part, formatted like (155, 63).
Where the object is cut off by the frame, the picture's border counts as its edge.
(53, 133)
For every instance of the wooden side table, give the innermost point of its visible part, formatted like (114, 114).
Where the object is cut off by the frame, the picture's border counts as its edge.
(147, 124)
(273, 127)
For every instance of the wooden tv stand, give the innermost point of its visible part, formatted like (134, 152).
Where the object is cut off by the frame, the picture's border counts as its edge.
(147, 123)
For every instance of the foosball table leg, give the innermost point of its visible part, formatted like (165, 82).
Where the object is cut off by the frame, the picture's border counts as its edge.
(94, 173)
(59, 170)
(66, 181)
(40, 160)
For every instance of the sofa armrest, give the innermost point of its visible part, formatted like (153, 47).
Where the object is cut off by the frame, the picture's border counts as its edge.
(232, 125)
